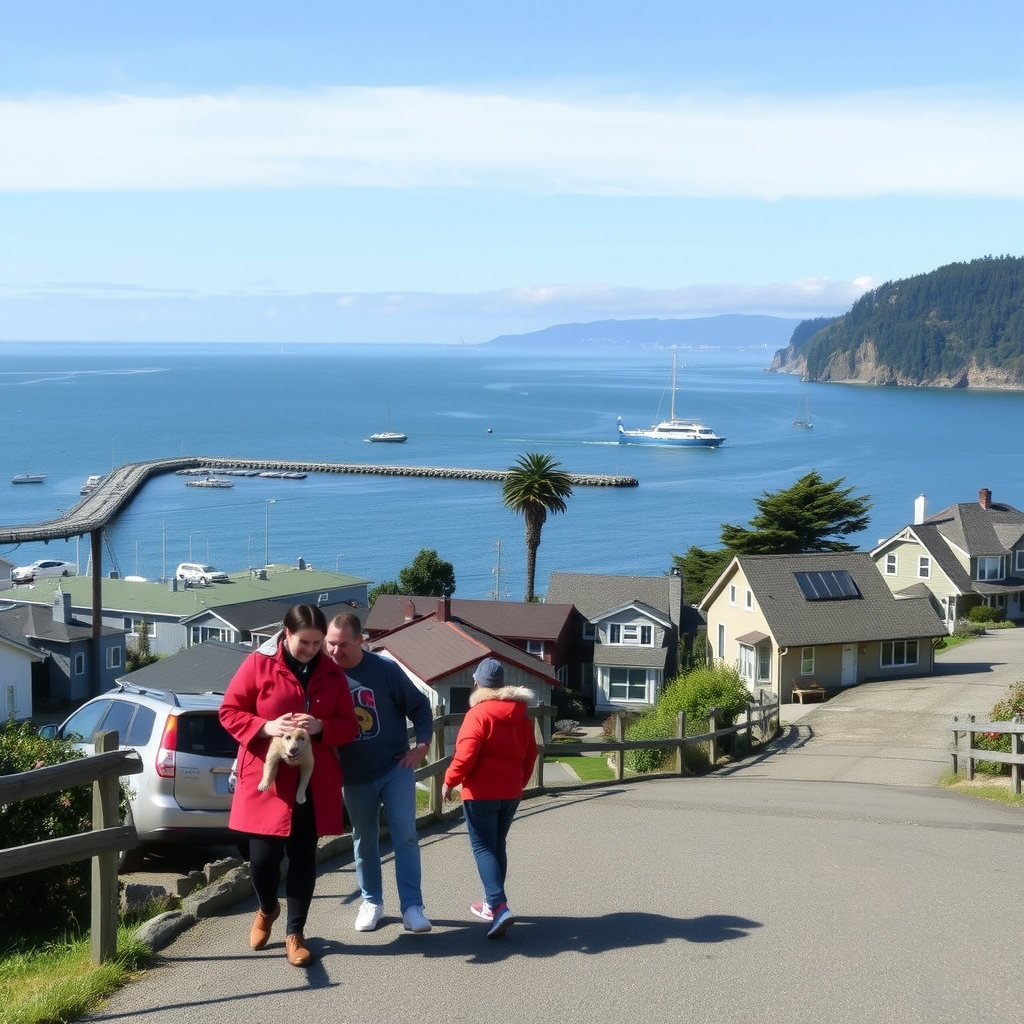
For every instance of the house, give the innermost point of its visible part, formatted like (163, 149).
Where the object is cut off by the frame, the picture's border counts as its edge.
(968, 554)
(66, 672)
(252, 622)
(627, 634)
(824, 618)
(202, 668)
(439, 651)
(19, 663)
(5, 574)
(543, 630)
(174, 613)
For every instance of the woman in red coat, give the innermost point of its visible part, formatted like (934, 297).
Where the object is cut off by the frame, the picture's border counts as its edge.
(284, 685)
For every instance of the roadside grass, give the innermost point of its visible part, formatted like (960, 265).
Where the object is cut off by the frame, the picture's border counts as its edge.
(587, 769)
(997, 788)
(58, 981)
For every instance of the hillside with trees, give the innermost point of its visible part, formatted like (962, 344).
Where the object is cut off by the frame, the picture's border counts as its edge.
(959, 326)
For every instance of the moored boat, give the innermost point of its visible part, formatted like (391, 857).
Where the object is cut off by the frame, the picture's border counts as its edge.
(91, 484)
(210, 481)
(673, 432)
(28, 478)
(389, 437)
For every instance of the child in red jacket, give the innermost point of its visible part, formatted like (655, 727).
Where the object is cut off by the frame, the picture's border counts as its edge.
(494, 756)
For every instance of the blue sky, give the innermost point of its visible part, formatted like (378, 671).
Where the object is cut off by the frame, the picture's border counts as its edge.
(408, 172)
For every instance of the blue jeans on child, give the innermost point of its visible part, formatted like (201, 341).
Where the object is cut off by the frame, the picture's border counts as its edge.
(395, 791)
(488, 822)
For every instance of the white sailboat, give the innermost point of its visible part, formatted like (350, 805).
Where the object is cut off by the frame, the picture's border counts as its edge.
(803, 416)
(389, 436)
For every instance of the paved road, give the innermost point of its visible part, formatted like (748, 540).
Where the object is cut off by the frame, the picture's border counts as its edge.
(795, 888)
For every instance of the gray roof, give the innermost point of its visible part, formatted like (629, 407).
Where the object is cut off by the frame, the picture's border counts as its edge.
(251, 616)
(623, 656)
(517, 619)
(933, 541)
(596, 594)
(797, 622)
(980, 531)
(23, 622)
(201, 668)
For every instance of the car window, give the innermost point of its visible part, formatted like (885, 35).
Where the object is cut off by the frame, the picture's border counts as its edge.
(118, 718)
(140, 729)
(81, 726)
(202, 733)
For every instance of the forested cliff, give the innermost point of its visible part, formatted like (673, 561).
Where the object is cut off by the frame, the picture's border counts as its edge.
(959, 326)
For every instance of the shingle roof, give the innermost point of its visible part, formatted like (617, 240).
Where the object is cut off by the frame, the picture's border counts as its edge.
(631, 657)
(795, 621)
(201, 668)
(980, 531)
(932, 540)
(594, 594)
(29, 621)
(519, 619)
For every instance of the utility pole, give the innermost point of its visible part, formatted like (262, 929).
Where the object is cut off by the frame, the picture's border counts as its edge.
(496, 592)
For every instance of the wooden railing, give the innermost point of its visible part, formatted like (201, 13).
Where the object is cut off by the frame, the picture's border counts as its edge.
(758, 716)
(104, 770)
(970, 727)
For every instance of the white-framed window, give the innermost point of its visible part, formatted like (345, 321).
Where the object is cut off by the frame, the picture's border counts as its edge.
(200, 634)
(535, 647)
(924, 567)
(630, 634)
(807, 661)
(80, 663)
(892, 564)
(732, 593)
(133, 626)
(113, 657)
(748, 662)
(764, 665)
(990, 567)
(1018, 560)
(896, 653)
(721, 640)
(627, 684)
(750, 600)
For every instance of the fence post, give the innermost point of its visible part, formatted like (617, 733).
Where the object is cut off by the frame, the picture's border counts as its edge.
(1017, 746)
(956, 743)
(537, 775)
(620, 755)
(680, 735)
(437, 748)
(970, 747)
(105, 814)
(713, 741)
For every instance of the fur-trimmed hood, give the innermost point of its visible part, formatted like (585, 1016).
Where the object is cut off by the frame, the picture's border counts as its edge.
(519, 693)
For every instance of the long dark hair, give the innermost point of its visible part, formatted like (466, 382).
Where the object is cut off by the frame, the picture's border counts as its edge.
(305, 616)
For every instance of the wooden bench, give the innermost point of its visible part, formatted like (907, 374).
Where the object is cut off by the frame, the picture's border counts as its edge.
(802, 689)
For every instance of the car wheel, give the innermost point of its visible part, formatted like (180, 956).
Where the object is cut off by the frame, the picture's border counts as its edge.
(204, 580)
(130, 860)
(64, 573)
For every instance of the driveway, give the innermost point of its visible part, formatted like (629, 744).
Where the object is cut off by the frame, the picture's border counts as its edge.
(896, 732)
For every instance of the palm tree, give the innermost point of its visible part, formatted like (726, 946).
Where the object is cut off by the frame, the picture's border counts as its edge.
(534, 487)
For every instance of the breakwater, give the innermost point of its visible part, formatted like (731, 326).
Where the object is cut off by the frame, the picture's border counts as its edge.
(119, 487)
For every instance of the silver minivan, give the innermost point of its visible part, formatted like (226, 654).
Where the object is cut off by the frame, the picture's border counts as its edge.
(183, 794)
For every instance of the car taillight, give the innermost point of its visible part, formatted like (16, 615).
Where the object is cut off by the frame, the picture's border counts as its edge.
(165, 756)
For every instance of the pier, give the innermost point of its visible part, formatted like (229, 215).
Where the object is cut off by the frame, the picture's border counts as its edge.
(102, 505)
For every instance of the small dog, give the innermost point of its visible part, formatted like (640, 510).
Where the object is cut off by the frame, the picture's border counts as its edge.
(294, 749)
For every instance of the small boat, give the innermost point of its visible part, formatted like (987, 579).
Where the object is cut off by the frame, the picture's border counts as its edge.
(28, 478)
(803, 416)
(673, 432)
(389, 437)
(272, 474)
(91, 484)
(294, 474)
(210, 481)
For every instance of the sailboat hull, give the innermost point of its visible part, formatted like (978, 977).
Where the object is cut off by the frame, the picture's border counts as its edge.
(673, 434)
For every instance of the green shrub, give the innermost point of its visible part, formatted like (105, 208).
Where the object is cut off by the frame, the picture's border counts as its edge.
(986, 613)
(966, 630)
(1004, 710)
(46, 900)
(570, 703)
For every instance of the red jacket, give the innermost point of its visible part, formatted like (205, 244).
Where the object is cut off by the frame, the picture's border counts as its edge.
(496, 747)
(264, 688)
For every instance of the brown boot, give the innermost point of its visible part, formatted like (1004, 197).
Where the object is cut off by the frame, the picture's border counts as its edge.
(298, 955)
(261, 925)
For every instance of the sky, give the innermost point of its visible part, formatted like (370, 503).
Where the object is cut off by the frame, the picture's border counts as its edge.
(402, 172)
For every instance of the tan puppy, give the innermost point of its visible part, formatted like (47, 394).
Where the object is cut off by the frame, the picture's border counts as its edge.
(295, 749)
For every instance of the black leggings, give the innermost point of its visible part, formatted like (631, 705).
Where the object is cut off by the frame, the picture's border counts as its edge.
(265, 856)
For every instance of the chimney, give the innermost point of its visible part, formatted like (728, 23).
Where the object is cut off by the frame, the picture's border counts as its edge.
(444, 609)
(410, 611)
(920, 509)
(985, 498)
(61, 607)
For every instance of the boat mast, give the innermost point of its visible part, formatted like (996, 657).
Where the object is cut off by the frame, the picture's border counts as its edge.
(673, 406)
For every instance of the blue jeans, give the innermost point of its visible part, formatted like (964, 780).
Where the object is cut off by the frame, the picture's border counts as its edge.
(395, 791)
(488, 822)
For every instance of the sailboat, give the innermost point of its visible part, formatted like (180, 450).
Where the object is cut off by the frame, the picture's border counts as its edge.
(673, 432)
(389, 435)
(803, 416)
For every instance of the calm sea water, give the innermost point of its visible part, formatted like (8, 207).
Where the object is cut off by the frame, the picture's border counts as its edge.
(72, 410)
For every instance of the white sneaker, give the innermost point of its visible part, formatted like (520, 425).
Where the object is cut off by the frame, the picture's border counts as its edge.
(416, 921)
(369, 916)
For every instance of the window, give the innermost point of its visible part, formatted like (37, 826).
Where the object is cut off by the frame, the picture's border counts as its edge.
(721, 640)
(750, 600)
(748, 660)
(899, 652)
(79, 663)
(732, 593)
(535, 647)
(1018, 560)
(589, 632)
(891, 565)
(990, 567)
(627, 684)
(924, 567)
(807, 661)
(764, 664)
(629, 634)
(200, 634)
(113, 657)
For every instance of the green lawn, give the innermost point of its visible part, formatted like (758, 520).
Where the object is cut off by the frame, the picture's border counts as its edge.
(589, 769)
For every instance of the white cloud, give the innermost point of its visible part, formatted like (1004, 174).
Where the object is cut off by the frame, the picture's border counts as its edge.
(761, 147)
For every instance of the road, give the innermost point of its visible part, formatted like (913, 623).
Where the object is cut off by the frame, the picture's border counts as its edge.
(793, 888)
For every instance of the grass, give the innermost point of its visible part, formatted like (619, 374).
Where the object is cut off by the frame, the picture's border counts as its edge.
(997, 788)
(588, 769)
(59, 981)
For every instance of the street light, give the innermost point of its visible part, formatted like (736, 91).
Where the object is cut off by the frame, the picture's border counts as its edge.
(266, 555)
(194, 533)
(337, 562)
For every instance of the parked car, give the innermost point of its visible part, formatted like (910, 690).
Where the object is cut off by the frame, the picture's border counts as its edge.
(183, 794)
(43, 567)
(197, 572)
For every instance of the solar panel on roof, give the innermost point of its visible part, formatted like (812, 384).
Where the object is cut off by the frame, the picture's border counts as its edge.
(832, 585)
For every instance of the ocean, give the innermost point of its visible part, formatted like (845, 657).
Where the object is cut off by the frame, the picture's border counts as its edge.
(70, 410)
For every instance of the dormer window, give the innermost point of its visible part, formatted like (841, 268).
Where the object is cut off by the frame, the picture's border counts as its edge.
(924, 567)
(990, 567)
(630, 634)
(891, 564)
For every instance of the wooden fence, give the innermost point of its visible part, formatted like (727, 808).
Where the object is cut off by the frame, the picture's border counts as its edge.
(104, 770)
(970, 727)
